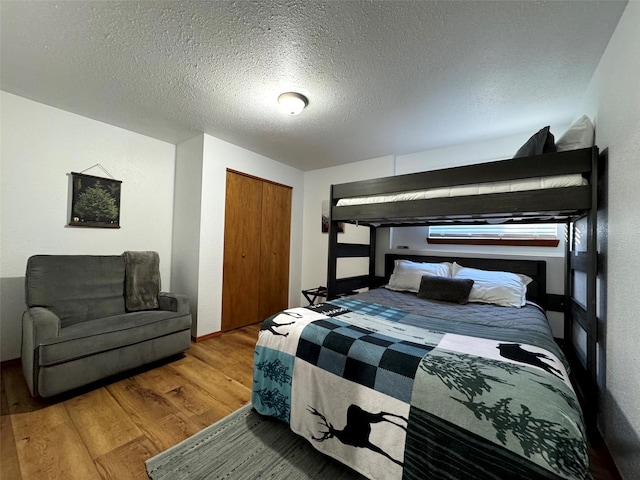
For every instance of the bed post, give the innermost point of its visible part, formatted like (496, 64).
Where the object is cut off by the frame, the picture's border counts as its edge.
(586, 262)
(568, 286)
(372, 256)
(335, 286)
(332, 267)
(592, 313)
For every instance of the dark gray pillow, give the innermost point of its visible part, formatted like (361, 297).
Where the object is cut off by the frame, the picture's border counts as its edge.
(444, 289)
(540, 142)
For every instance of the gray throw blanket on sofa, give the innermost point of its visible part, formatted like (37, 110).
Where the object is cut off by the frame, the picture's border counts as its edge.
(142, 280)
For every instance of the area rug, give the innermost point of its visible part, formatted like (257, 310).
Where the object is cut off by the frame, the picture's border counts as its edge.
(245, 445)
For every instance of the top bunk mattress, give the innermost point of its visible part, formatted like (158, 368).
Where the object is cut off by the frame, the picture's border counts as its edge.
(520, 185)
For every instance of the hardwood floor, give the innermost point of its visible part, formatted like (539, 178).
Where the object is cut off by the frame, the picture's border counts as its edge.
(109, 430)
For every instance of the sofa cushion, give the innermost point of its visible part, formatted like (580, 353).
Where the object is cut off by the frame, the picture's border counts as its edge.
(76, 287)
(55, 379)
(100, 335)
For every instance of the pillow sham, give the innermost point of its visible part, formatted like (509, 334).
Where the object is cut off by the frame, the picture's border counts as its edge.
(443, 289)
(500, 288)
(540, 142)
(407, 275)
(579, 135)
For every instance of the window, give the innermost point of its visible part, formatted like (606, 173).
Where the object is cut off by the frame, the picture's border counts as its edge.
(540, 235)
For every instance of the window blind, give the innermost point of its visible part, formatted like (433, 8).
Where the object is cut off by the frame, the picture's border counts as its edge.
(509, 231)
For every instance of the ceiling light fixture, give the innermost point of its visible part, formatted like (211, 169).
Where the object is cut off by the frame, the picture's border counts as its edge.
(293, 103)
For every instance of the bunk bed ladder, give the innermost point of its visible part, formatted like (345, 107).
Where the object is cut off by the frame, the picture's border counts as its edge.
(584, 365)
(343, 286)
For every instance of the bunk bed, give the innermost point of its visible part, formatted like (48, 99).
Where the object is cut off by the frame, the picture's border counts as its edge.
(412, 443)
(572, 205)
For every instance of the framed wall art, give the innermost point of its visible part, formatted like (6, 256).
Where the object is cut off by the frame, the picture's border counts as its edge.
(95, 201)
(326, 215)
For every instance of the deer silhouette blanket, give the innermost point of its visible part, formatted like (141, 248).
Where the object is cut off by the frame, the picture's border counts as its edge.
(395, 395)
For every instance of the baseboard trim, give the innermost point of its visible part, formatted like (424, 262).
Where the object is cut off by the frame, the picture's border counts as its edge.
(10, 363)
(600, 448)
(206, 337)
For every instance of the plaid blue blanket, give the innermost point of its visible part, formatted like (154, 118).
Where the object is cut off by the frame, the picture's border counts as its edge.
(399, 395)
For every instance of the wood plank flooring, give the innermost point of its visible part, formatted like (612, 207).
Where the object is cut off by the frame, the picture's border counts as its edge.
(108, 431)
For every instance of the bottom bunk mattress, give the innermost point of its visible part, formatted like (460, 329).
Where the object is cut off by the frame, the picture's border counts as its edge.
(424, 391)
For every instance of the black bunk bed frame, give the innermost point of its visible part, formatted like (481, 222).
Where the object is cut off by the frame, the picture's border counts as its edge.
(558, 205)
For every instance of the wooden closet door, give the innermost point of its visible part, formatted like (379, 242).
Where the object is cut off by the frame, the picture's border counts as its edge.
(241, 277)
(274, 255)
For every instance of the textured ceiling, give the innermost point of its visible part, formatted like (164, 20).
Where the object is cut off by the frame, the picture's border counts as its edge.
(386, 77)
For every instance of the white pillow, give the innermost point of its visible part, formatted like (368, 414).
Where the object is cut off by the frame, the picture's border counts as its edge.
(500, 288)
(579, 135)
(407, 275)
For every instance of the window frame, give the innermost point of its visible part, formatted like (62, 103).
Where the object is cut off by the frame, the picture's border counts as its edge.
(528, 240)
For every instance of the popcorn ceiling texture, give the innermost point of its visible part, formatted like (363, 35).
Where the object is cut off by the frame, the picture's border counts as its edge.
(382, 77)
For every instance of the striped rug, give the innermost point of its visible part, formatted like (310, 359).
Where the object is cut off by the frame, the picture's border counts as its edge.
(247, 446)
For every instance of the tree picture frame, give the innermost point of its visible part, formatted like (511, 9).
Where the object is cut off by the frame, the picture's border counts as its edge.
(326, 218)
(95, 201)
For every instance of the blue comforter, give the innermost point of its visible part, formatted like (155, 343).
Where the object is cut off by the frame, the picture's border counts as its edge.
(395, 394)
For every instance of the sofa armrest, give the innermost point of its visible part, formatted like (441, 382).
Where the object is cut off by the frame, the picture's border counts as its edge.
(38, 324)
(43, 322)
(174, 302)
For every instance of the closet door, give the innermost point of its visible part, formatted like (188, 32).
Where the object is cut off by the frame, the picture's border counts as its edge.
(274, 252)
(242, 226)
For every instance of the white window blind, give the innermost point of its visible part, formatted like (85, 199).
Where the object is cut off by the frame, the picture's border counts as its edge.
(541, 231)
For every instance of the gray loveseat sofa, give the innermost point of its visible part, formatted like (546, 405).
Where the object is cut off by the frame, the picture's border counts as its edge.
(86, 319)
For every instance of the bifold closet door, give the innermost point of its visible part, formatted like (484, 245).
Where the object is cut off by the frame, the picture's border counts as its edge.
(274, 254)
(257, 230)
(242, 225)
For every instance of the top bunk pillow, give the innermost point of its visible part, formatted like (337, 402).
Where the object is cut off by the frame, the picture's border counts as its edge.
(579, 135)
(407, 275)
(500, 288)
(540, 142)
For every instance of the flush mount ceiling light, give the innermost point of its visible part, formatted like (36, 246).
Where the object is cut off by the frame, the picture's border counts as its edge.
(292, 103)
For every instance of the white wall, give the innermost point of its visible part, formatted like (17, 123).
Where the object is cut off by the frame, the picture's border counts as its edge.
(614, 100)
(217, 156)
(185, 257)
(466, 154)
(317, 184)
(40, 146)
